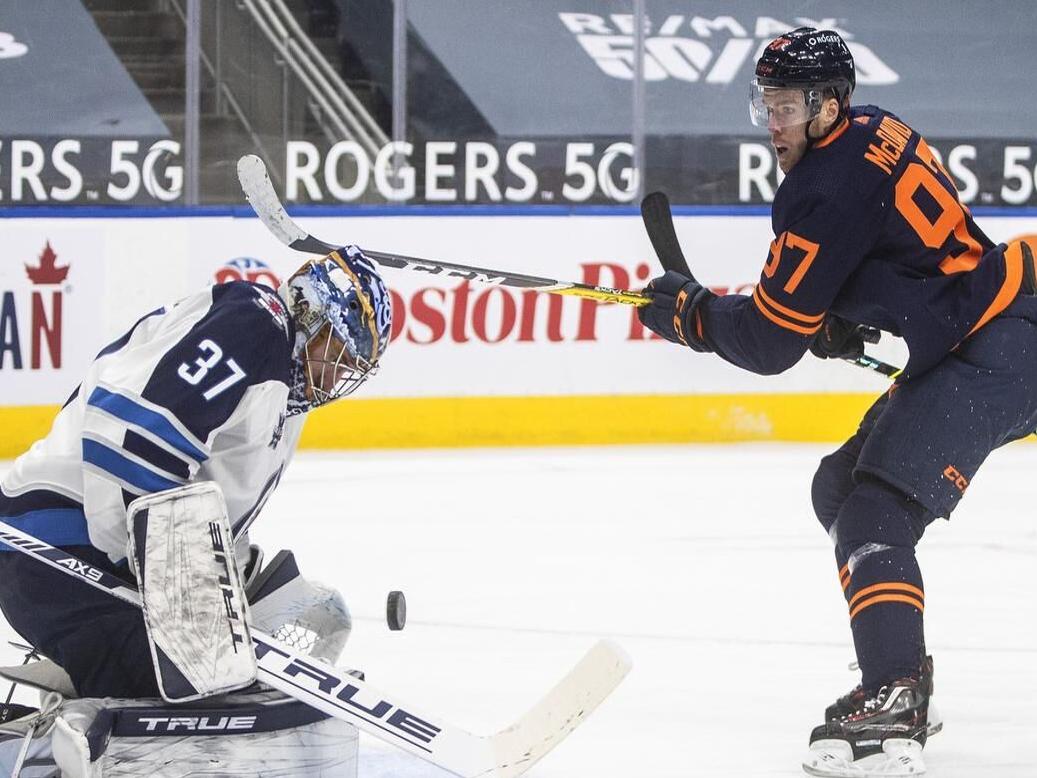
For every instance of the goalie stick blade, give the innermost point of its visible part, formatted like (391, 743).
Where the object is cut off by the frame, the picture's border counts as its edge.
(658, 221)
(564, 708)
(259, 191)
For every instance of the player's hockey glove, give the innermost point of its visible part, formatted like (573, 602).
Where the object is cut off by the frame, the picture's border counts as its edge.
(673, 313)
(842, 339)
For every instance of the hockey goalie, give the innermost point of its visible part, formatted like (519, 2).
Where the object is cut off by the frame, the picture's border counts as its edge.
(153, 472)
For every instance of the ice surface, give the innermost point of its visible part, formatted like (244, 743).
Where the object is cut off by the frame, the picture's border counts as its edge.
(704, 562)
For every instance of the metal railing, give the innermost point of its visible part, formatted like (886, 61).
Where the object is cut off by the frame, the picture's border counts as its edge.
(350, 112)
(338, 112)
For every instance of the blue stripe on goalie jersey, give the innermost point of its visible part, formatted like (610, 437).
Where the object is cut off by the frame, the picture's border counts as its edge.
(132, 474)
(50, 516)
(132, 412)
(156, 455)
(237, 344)
(57, 526)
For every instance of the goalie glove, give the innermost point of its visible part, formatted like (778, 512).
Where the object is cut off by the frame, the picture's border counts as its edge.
(673, 313)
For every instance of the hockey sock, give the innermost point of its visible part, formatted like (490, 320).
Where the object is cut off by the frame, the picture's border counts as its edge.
(832, 485)
(886, 600)
(876, 532)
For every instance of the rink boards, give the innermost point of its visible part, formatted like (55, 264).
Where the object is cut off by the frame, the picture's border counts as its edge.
(469, 364)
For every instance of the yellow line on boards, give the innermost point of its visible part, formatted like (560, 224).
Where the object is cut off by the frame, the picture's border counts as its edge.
(583, 420)
(357, 423)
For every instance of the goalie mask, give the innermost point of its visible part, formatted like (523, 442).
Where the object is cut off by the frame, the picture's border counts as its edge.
(343, 315)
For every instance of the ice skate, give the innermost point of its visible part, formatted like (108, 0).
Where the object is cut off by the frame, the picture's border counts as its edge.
(882, 737)
(855, 698)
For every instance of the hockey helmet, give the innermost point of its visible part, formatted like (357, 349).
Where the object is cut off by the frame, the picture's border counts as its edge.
(343, 316)
(817, 63)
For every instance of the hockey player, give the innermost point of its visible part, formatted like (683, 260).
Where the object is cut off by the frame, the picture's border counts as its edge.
(869, 231)
(212, 389)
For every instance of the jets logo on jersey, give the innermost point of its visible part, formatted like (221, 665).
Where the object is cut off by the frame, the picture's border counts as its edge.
(272, 304)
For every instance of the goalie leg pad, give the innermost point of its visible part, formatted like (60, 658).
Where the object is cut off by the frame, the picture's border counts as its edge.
(193, 601)
(245, 734)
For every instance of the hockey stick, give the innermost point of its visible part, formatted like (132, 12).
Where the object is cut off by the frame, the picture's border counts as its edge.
(261, 196)
(508, 753)
(658, 220)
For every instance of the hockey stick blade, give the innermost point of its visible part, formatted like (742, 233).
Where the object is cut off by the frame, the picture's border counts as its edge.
(261, 196)
(658, 221)
(337, 693)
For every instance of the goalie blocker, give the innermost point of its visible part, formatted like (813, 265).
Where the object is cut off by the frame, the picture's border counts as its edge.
(191, 593)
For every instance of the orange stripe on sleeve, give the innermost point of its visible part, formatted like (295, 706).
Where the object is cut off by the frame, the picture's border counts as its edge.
(887, 598)
(794, 315)
(1010, 287)
(764, 304)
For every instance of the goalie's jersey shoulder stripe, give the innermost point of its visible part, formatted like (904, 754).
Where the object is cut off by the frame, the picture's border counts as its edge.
(135, 412)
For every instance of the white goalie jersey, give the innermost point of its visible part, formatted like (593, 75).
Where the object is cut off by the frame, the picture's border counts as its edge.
(198, 391)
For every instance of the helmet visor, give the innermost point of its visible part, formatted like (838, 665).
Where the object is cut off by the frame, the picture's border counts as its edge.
(776, 107)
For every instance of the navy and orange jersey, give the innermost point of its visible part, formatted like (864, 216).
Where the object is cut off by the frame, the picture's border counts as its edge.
(868, 226)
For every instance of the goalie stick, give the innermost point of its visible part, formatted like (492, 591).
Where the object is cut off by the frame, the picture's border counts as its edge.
(261, 196)
(658, 221)
(333, 691)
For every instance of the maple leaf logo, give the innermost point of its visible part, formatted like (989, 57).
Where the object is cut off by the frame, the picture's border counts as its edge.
(48, 271)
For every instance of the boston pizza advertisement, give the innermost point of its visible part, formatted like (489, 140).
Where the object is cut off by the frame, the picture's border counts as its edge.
(468, 361)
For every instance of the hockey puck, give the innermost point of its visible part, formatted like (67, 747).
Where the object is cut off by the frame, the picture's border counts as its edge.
(396, 611)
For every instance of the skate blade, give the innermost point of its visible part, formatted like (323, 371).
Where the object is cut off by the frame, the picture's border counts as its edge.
(900, 758)
(935, 721)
